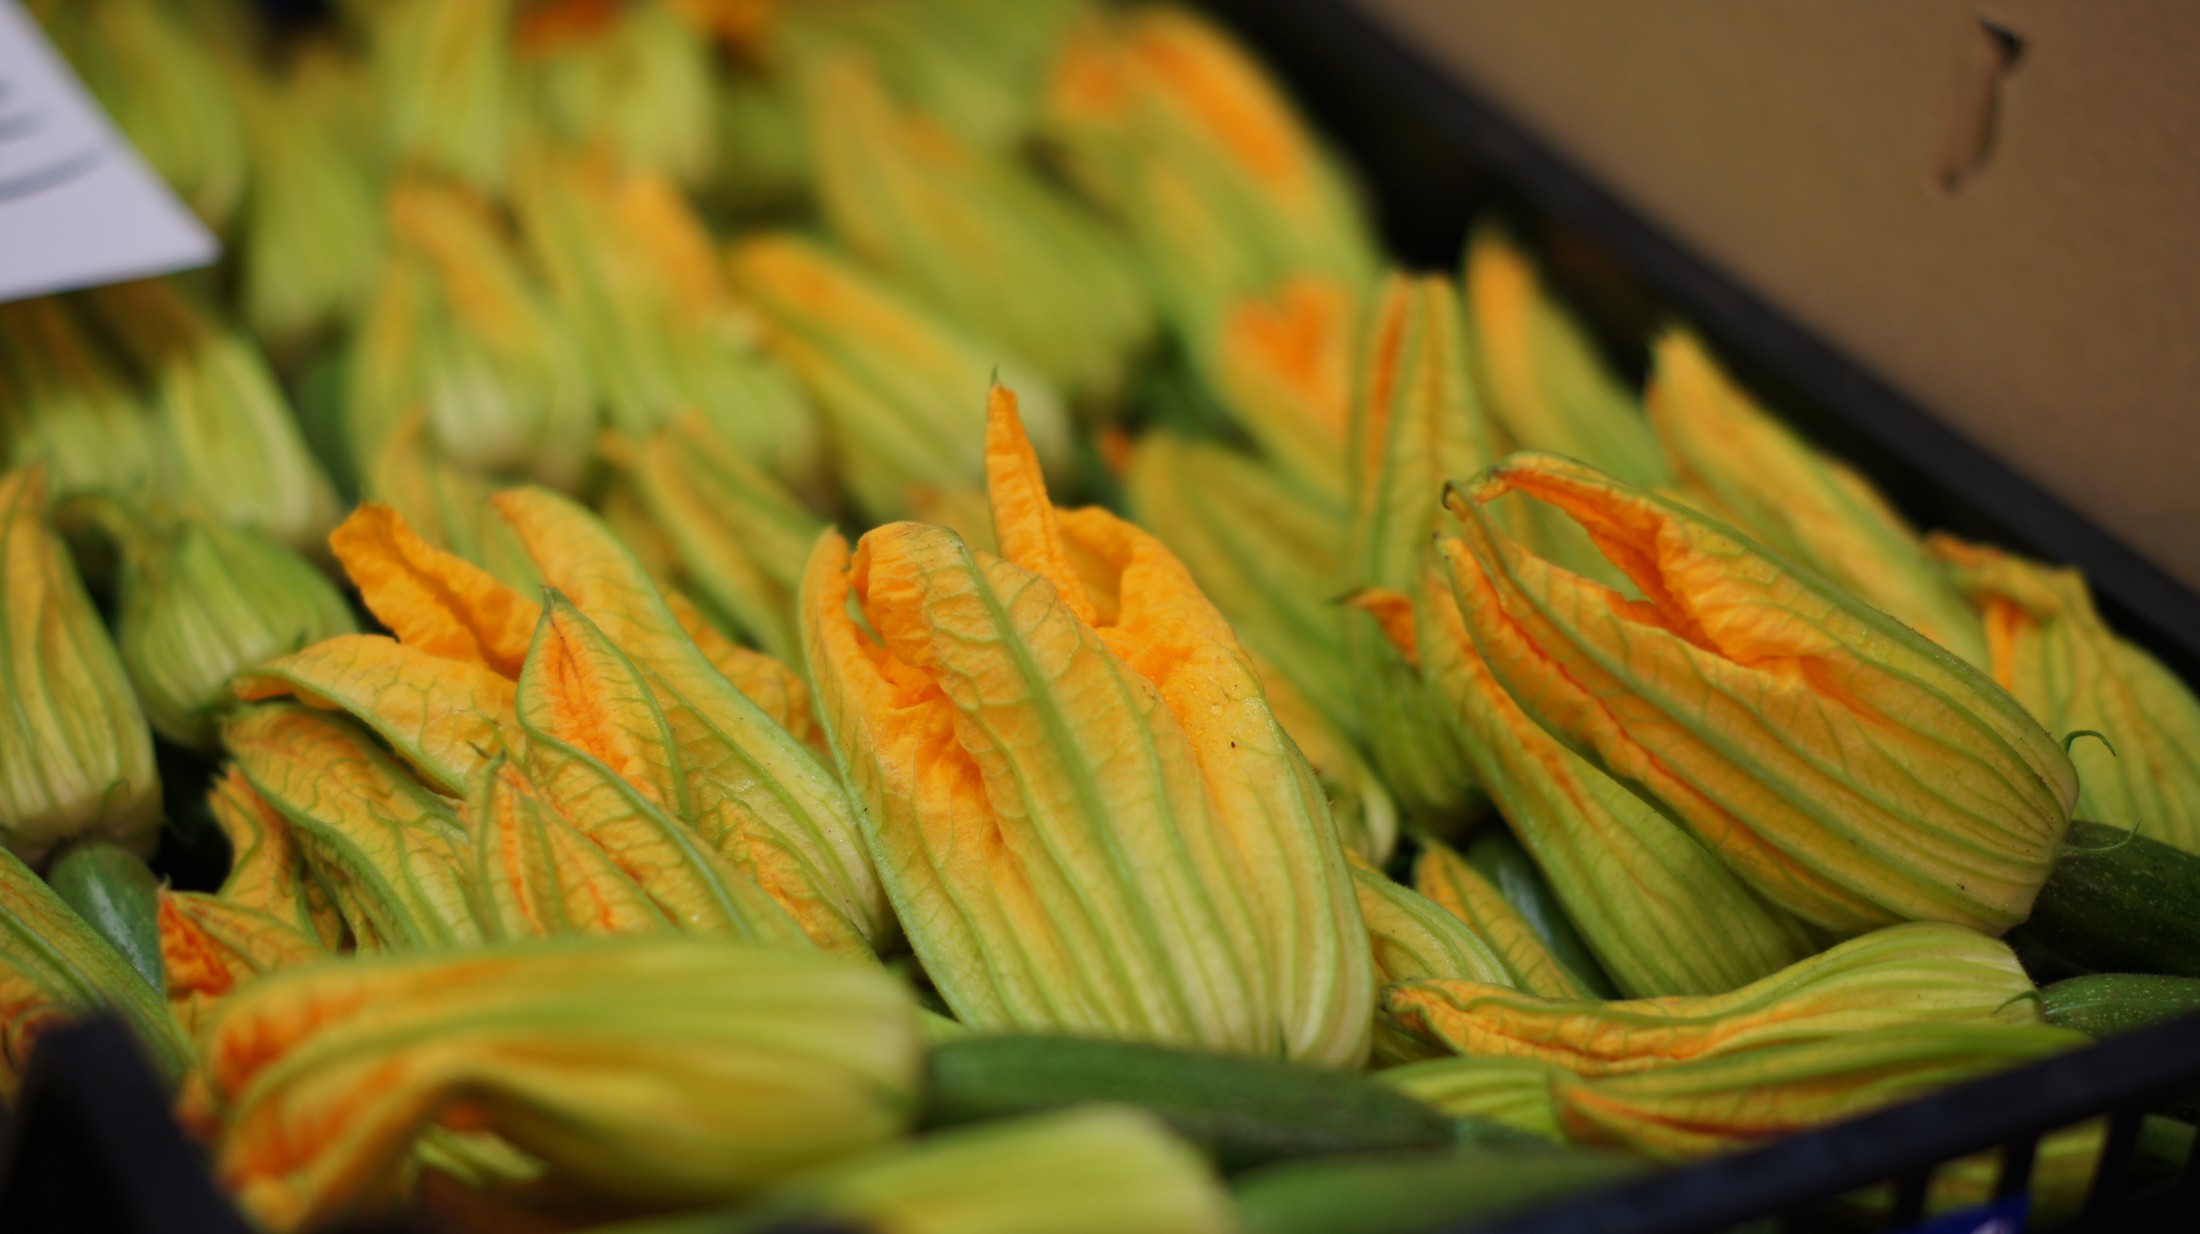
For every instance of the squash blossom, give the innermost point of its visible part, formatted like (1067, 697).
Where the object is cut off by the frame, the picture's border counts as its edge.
(977, 236)
(1415, 422)
(1731, 1101)
(1539, 370)
(1454, 885)
(210, 946)
(1283, 365)
(1171, 125)
(447, 504)
(660, 1071)
(1268, 553)
(897, 384)
(634, 79)
(635, 276)
(1852, 772)
(230, 441)
(448, 87)
(54, 967)
(1736, 462)
(1413, 936)
(1661, 912)
(1092, 1170)
(312, 235)
(267, 872)
(2048, 646)
(1083, 810)
(64, 405)
(457, 328)
(76, 760)
(1917, 973)
(201, 602)
(738, 537)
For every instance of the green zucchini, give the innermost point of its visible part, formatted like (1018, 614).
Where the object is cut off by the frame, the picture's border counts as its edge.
(113, 891)
(1416, 1193)
(2104, 1004)
(1243, 1112)
(1501, 859)
(2116, 903)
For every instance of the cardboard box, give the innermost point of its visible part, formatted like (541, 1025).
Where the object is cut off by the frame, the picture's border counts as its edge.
(1995, 208)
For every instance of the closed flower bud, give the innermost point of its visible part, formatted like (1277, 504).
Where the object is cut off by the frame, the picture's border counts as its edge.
(448, 87)
(1166, 120)
(1085, 813)
(75, 757)
(1539, 371)
(635, 276)
(65, 406)
(1920, 973)
(1450, 882)
(1743, 466)
(1661, 912)
(2049, 647)
(1267, 552)
(232, 444)
(1415, 422)
(738, 537)
(1850, 771)
(1093, 1170)
(635, 79)
(457, 330)
(1283, 364)
(1413, 936)
(897, 384)
(54, 967)
(201, 602)
(976, 235)
(660, 1071)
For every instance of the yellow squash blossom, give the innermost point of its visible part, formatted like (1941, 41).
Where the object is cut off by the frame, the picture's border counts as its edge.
(538, 875)
(231, 443)
(1084, 811)
(754, 793)
(1852, 772)
(898, 385)
(2048, 645)
(1661, 912)
(1413, 936)
(64, 405)
(267, 872)
(634, 272)
(1283, 365)
(391, 852)
(1540, 373)
(1269, 553)
(1919, 973)
(54, 967)
(1093, 1170)
(1732, 1101)
(1740, 464)
(458, 330)
(76, 759)
(1167, 121)
(1458, 888)
(1415, 422)
(977, 236)
(660, 1071)
(738, 536)
(200, 602)
(211, 946)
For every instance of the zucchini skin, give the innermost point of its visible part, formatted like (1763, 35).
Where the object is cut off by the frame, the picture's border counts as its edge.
(1416, 1193)
(2104, 1004)
(113, 891)
(1505, 862)
(2116, 903)
(1244, 1112)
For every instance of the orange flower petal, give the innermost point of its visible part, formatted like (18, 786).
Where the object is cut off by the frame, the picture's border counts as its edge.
(435, 601)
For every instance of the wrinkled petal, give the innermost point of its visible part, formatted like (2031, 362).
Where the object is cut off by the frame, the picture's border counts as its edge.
(432, 600)
(210, 946)
(391, 851)
(1850, 771)
(536, 875)
(444, 718)
(267, 872)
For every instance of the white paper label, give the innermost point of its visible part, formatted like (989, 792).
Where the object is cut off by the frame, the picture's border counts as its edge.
(78, 207)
